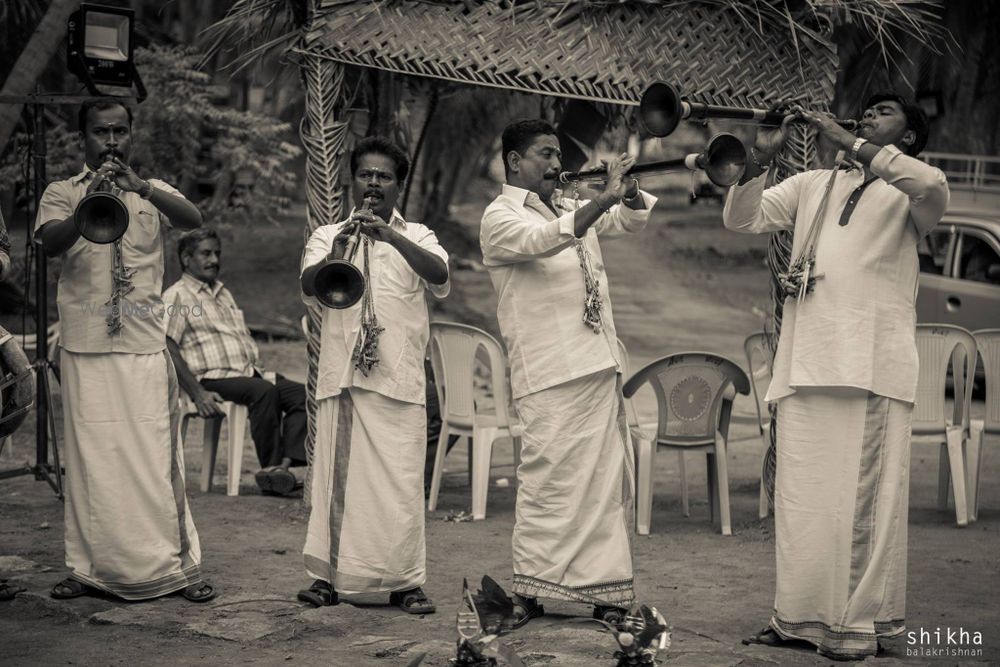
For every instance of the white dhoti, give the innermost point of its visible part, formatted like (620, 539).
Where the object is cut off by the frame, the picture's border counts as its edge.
(840, 507)
(574, 518)
(366, 527)
(128, 527)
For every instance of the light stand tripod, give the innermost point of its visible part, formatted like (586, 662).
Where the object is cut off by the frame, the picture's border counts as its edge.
(45, 424)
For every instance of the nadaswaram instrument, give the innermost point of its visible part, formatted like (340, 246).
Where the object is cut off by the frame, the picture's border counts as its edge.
(661, 109)
(17, 384)
(101, 217)
(724, 160)
(338, 283)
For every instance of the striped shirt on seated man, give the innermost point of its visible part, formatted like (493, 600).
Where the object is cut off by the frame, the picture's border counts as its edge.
(216, 361)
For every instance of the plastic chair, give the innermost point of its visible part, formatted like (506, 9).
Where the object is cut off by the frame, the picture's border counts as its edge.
(453, 358)
(988, 345)
(236, 415)
(644, 436)
(694, 394)
(756, 347)
(938, 346)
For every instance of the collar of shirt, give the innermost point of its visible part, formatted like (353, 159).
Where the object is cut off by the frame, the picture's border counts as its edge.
(199, 285)
(395, 220)
(85, 175)
(530, 198)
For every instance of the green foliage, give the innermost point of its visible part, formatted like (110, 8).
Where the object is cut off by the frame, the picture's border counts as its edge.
(184, 137)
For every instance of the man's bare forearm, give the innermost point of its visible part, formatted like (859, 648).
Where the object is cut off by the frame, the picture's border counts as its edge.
(58, 236)
(185, 377)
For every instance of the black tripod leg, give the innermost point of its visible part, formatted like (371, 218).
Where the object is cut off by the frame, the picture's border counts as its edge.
(42, 469)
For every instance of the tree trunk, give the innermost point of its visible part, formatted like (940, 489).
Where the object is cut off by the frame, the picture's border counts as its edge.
(44, 44)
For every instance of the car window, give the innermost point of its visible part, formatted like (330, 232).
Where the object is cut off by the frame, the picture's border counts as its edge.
(977, 258)
(933, 251)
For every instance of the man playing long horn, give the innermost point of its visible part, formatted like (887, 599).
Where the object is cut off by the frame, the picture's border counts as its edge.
(128, 528)
(366, 528)
(574, 514)
(845, 372)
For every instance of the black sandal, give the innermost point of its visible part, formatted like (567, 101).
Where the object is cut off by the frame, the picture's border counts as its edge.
(609, 614)
(75, 589)
(766, 637)
(320, 594)
(201, 592)
(525, 609)
(413, 601)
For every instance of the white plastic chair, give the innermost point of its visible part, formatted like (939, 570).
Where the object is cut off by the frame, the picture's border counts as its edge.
(453, 359)
(644, 437)
(941, 345)
(694, 394)
(236, 415)
(756, 347)
(988, 345)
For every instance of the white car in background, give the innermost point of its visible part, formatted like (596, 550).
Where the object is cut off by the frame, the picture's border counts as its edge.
(960, 258)
(960, 271)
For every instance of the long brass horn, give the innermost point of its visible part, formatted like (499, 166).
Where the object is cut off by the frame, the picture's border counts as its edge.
(338, 284)
(724, 160)
(661, 109)
(101, 217)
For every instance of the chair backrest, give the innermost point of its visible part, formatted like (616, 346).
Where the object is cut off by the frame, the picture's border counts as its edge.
(631, 416)
(453, 358)
(690, 390)
(988, 345)
(757, 348)
(940, 346)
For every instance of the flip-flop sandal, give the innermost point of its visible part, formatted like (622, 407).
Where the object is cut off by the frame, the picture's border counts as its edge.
(529, 608)
(9, 591)
(282, 482)
(766, 637)
(414, 601)
(75, 589)
(195, 592)
(610, 614)
(320, 594)
(263, 479)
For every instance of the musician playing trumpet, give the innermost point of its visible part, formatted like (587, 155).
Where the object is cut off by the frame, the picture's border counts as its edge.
(576, 478)
(845, 371)
(129, 531)
(366, 527)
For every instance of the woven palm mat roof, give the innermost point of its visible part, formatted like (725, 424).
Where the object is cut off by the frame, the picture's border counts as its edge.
(607, 53)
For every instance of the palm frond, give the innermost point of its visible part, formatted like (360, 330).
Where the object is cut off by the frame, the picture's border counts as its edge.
(257, 30)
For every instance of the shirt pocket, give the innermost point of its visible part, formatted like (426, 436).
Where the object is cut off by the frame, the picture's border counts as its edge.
(143, 234)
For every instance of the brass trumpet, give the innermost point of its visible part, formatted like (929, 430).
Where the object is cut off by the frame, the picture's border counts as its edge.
(101, 217)
(661, 109)
(338, 283)
(724, 160)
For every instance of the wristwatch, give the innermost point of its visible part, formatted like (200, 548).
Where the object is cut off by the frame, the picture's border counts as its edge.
(858, 143)
(147, 190)
(629, 200)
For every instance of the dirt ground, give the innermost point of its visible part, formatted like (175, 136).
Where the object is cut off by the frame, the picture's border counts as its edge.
(682, 284)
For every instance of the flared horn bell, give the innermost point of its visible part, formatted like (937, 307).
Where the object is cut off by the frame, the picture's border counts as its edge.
(724, 161)
(338, 284)
(101, 217)
(660, 109)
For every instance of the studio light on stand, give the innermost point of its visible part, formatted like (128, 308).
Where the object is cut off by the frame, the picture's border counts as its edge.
(100, 43)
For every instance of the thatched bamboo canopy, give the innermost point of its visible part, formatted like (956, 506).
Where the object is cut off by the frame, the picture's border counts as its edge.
(596, 51)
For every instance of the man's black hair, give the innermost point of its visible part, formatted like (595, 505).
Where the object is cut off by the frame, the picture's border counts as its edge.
(99, 105)
(382, 146)
(519, 135)
(189, 241)
(916, 119)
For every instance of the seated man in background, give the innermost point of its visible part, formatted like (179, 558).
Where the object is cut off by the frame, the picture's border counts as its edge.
(215, 359)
